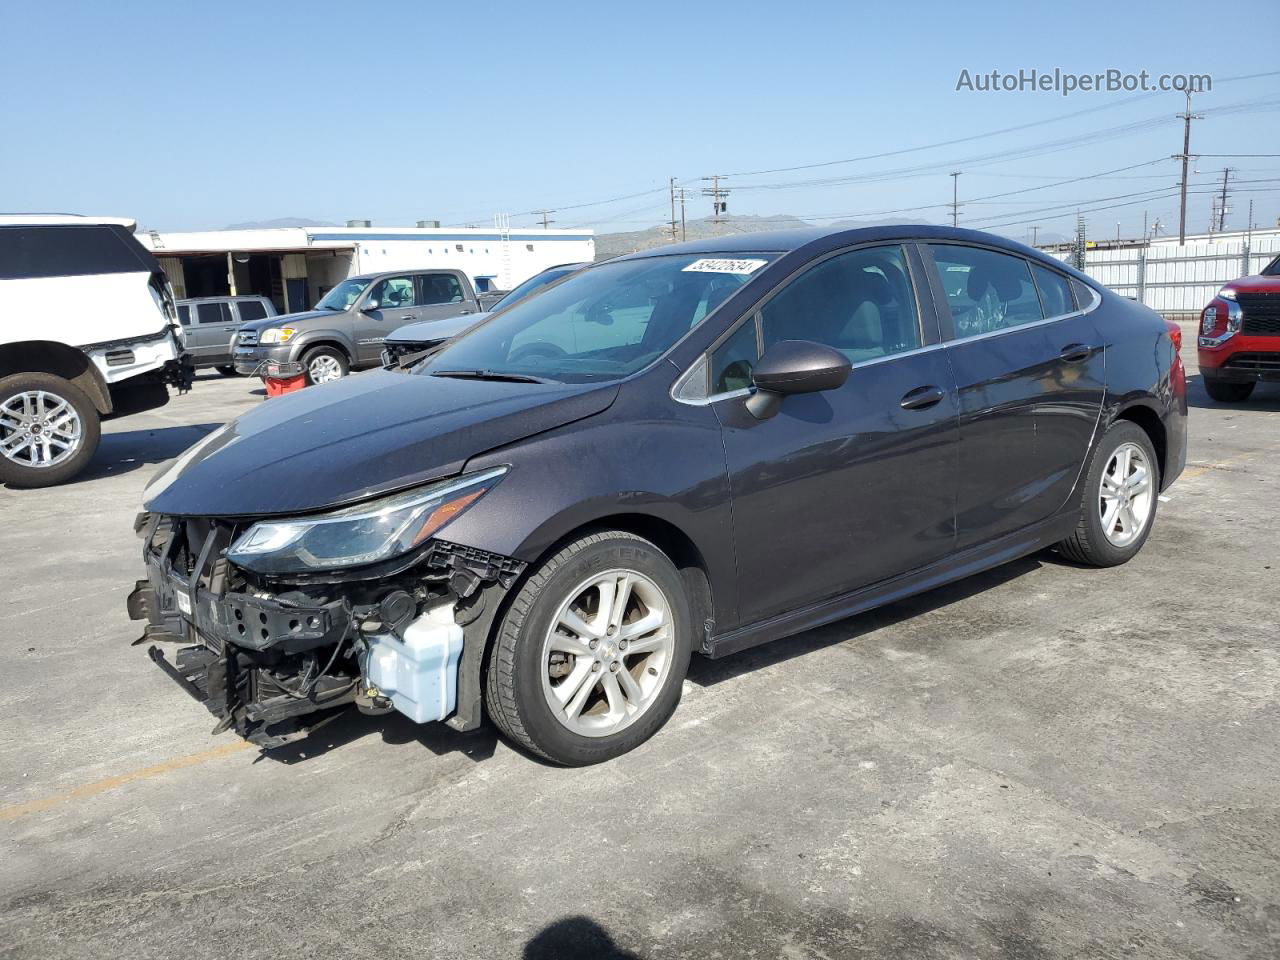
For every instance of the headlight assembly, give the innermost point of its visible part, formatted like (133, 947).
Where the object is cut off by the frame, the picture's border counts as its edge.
(361, 534)
(277, 334)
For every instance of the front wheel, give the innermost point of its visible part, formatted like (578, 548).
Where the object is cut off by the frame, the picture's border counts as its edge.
(590, 658)
(323, 364)
(1121, 492)
(49, 430)
(227, 370)
(1224, 391)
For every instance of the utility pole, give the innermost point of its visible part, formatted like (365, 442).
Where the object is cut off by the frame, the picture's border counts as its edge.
(682, 195)
(717, 194)
(955, 200)
(1117, 232)
(1185, 156)
(1035, 233)
(671, 186)
(1222, 203)
(1144, 226)
(544, 214)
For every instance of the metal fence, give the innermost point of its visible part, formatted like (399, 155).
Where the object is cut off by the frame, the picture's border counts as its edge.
(1174, 280)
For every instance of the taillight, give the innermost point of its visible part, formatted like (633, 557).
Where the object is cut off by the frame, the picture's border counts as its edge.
(1175, 334)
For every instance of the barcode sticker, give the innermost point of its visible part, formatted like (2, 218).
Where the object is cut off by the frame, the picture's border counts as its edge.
(741, 268)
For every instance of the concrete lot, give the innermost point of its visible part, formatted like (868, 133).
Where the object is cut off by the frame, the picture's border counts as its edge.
(1043, 761)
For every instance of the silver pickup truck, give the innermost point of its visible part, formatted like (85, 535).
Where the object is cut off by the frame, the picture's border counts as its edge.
(346, 330)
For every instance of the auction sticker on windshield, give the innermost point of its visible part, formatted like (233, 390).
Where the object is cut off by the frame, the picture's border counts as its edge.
(739, 267)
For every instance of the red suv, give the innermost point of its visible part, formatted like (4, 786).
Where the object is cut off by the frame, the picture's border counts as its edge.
(1240, 336)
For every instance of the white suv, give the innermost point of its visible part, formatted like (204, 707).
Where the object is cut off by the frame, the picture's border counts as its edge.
(87, 330)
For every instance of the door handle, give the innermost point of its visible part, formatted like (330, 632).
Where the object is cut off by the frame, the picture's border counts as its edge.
(407, 317)
(921, 398)
(1076, 352)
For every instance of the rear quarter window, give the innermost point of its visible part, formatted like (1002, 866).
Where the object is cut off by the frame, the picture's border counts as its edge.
(70, 251)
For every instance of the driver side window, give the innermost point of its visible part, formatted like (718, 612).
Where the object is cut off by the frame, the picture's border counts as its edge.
(395, 292)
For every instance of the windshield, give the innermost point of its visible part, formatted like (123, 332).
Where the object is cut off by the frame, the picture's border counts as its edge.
(1272, 269)
(343, 295)
(604, 323)
(532, 284)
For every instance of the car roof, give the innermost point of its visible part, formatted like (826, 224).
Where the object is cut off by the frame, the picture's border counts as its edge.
(787, 241)
(63, 219)
(224, 296)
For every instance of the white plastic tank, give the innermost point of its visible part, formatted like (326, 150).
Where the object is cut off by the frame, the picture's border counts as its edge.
(419, 674)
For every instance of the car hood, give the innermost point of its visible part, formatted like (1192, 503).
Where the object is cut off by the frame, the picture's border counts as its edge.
(425, 331)
(359, 437)
(286, 318)
(1255, 284)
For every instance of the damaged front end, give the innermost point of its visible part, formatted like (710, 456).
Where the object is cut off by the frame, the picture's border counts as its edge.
(277, 651)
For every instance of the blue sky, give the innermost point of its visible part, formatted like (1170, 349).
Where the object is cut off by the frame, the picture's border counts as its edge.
(199, 115)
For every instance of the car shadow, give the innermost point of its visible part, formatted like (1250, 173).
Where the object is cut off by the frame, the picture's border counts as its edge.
(1264, 399)
(574, 937)
(394, 728)
(707, 673)
(129, 450)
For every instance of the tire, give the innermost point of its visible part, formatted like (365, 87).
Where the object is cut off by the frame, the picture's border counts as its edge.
(1091, 543)
(44, 392)
(227, 371)
(329, 357)
(524, 678)
(1224, 391)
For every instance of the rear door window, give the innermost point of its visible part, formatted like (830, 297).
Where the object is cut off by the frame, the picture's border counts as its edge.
(440, 288)
(1055, 291)
(212, 313)
(70, 251)
(250, 310)
(986, 291)
(184, 315)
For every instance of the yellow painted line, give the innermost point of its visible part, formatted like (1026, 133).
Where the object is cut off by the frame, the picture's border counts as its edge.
(110, 783)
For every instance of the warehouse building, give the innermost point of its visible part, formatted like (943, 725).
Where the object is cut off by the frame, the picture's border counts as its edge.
(296, 266)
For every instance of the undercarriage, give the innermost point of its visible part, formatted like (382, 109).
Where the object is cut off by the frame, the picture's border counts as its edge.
(274, 658)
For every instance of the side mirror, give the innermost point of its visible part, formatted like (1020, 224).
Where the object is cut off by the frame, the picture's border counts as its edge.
(369, 306)
(794, 366)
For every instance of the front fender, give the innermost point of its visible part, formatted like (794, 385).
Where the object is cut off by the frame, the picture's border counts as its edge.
(616, 467)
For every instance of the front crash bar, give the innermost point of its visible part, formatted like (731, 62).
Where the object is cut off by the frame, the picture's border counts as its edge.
(157, 657)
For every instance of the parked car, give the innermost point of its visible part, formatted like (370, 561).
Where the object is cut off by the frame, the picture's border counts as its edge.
(210, 324)
(740, 439)
(87, 331)
(427, 334)
(1239, 344)
(346, 330)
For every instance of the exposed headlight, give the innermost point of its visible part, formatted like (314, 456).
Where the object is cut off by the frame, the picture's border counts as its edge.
(1209, 321)
(277, 334)
(362, 534)
(1226, 293)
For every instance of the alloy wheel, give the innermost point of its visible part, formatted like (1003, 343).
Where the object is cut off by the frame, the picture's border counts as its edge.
(39, 429)
(1126, 495)
(324, 368)
(608, 652)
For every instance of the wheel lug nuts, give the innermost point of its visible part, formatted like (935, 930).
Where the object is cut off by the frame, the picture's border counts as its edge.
(595, 667)
(613, 667)
(593, 644)
(622, 644)
(611, 631)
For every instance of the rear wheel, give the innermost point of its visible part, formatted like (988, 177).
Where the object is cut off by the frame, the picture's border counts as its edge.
(1121, 492)
(49, 430)
(590, 657)
(227, 371)
(323, 364)
(1224, 391)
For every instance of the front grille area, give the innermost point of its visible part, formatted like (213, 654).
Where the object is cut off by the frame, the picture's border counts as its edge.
(1261, 312)
(1255, 362)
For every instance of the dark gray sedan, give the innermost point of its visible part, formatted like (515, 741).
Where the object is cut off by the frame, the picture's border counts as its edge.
(694, 449)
